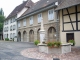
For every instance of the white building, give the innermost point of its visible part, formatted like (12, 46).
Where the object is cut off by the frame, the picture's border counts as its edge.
(10, 24)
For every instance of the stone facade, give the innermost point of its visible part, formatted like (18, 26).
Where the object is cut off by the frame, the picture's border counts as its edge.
(36, 29)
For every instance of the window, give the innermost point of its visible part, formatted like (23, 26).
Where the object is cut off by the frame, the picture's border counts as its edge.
(11, 28)
(7, 21)
(31, 20)
(7, 28)
(39, 17)
(10, 35)
(4, 29)
(24, 22)
(14, 19)
(11, 20)
(5, 36)
(13, 35)
(14, 27)
(19, 24)
(51, 14)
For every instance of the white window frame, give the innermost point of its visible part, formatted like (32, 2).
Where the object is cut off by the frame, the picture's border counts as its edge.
(24, 22)
(31, 20)
(39, 17)
(51, 14)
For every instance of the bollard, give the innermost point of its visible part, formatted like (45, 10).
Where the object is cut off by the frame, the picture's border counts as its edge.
(56, 59)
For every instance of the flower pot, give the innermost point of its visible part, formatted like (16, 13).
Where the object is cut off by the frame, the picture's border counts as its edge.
(51, 46)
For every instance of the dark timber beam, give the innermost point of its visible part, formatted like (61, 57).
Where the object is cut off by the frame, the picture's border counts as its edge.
(70, 19)
(62, 20)
(76, 18)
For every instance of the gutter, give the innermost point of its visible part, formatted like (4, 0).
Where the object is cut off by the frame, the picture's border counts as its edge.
(37, 11)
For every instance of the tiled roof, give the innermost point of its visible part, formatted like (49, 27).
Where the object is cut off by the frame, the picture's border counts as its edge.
(38, 5)
(67, 3)
(19, 8)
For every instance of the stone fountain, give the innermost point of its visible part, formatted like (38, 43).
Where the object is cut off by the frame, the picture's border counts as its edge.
(65, 48)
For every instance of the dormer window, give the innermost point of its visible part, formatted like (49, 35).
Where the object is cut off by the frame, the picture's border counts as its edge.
(51, 14)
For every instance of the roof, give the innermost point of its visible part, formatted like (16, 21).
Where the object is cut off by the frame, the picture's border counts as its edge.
(40, 4)
(67, 3)
(19, 8)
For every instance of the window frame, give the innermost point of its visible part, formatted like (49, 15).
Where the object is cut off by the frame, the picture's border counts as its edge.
(24, 22)
(51, 14)
(31, 20)
(39, 17)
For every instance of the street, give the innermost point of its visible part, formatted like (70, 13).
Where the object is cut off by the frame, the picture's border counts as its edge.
(11, 50)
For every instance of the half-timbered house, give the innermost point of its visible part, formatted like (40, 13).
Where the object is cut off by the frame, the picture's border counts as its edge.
(69, 17)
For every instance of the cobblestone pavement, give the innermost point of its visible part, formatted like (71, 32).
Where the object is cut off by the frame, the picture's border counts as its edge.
(34, 53)
(11, 50)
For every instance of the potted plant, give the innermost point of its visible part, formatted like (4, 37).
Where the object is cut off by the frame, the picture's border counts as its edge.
(50, 45)
(6, 39)
(72, 42)
(36, 42)
(57, 44)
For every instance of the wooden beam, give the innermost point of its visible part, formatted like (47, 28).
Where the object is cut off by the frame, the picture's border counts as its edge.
(68, 14)
(70, 22)
(70, 30)
(62, 20)
(70, 18)
(76, 18)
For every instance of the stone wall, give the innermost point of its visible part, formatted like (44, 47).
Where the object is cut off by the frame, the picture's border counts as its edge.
(35, 29)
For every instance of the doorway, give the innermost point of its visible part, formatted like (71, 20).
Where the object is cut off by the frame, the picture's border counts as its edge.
(69, 36)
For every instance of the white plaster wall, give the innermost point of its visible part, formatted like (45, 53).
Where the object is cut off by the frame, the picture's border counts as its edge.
(77, 38)
(14, 23)
(13, 31)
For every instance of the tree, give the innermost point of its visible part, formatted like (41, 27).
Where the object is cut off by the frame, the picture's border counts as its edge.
(1, 12)
(1, 27)
(2, 18)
